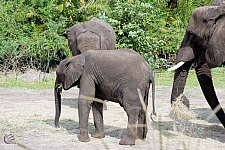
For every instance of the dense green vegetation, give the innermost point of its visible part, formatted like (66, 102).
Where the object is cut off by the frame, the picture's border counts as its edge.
(31, 30)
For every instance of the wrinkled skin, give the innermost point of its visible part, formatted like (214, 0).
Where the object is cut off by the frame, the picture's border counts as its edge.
(204, 46)
(94, 34)
(114, 75)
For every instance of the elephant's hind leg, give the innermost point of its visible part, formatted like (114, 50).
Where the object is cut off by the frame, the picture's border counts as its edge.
(130, 136)
(142, 126)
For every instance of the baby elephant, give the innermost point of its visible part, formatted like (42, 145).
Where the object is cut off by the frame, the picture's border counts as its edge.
(114, 75)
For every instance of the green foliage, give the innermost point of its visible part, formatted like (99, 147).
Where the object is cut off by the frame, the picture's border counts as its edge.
(31, 30)
(143, 26)
(84, 12)
(31, 34)
(182, 9)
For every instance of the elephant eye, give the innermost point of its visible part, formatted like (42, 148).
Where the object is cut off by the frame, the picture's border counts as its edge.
(66, 66)
(204, 20)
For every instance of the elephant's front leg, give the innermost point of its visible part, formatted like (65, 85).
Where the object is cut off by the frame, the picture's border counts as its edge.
(98, 120)
(84, 107)
(205, 80)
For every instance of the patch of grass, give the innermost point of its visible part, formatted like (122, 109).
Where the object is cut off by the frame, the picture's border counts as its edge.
(162, 78)
(45, 83)
(165, 78)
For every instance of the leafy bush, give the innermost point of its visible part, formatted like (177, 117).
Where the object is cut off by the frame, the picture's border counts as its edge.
(31, 30)
(31, 34)
(143, 27)
(183, 9)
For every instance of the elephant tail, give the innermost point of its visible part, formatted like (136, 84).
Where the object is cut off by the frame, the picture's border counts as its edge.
(153, 98)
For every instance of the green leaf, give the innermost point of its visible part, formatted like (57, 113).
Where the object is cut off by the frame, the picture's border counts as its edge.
(60, 7)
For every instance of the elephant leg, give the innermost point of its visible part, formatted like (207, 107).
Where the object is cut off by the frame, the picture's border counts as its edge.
(130, 136)
(205, 80)
(84, 107)
(98, 120)
(87, 91)
(142, 126)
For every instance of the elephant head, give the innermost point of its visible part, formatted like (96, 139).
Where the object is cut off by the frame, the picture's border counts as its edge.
(67, 75)
(203, 44)
(94, 34)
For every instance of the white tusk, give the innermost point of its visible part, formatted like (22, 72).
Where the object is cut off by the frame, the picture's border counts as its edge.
(176, 66)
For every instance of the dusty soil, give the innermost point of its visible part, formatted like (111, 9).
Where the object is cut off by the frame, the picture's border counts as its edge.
(29, 116)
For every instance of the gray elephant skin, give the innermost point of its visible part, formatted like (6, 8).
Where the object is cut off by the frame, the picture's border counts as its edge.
(94, 34)
(113, 75)
(204, 46)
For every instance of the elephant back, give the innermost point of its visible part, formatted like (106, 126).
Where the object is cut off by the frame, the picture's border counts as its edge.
(93, 34)
(218, 2)
(112, 34)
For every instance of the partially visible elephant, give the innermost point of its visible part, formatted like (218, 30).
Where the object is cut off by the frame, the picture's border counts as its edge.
(114, 75)
(204, 46)
(94, 34)
(218, 2)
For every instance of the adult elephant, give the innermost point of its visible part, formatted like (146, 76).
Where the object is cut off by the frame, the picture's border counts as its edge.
(94, 34)
(204, 45)
(115, 75)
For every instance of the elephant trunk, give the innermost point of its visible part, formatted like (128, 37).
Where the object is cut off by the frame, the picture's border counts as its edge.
(205, 80)
(57, 92)
(179, 82)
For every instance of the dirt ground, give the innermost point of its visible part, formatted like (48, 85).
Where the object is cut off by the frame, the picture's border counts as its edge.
(29, 116)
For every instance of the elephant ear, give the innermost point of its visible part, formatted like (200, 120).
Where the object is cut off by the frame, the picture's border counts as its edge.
(106, 32)
(203, 20)
(104, 35)
(72, 33)
(73, 71)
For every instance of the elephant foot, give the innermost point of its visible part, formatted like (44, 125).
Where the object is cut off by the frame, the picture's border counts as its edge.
(84, 138)
(98, 134)
(141, 134)
(127, 141)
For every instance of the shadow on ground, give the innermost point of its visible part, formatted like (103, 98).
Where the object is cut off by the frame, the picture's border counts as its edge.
(203, 113)
(71, 102)
(72, 127)
(191, 128)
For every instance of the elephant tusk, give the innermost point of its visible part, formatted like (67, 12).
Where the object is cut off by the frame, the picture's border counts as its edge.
(176, 66)
(59, 87)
